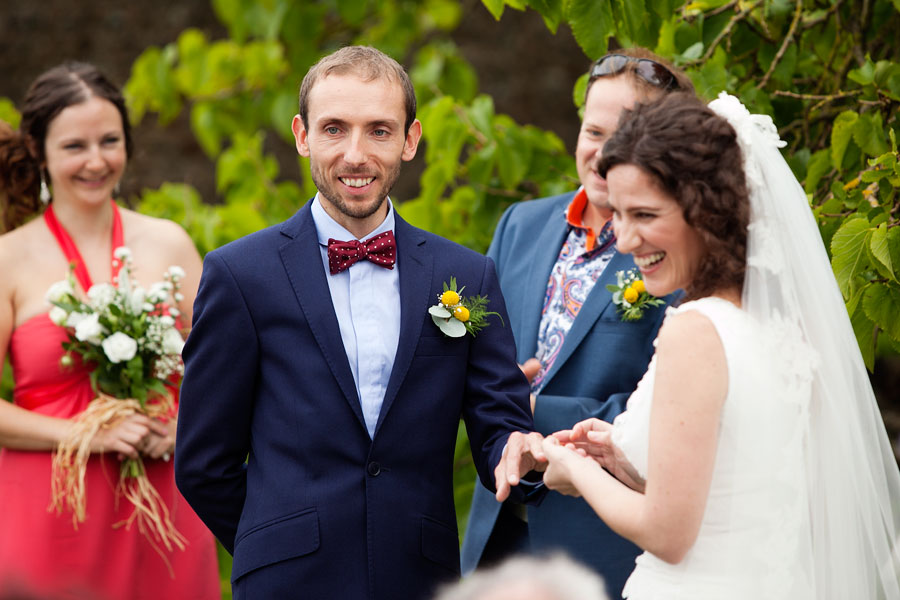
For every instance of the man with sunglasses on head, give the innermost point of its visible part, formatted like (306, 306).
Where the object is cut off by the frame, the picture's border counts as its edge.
(555, 256)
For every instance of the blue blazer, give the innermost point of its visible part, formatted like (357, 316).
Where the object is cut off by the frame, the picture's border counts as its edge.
(273, 452)
(598, 366)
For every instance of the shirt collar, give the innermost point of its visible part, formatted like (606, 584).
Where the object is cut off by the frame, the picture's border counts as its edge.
(326, 227)
(575, 218)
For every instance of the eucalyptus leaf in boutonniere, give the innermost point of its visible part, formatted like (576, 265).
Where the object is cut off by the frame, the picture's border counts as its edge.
(630, 295)
(456, 315)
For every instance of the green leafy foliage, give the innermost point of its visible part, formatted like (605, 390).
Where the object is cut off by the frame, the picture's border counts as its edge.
(9, 114)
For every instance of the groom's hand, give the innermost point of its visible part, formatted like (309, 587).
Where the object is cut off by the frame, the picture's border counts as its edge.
(523, 453)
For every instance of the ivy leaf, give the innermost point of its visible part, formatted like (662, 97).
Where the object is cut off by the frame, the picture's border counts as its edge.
(881, 250)
(841, 134)
(592, 23)
(893, 238)
(482, 113)
(9, 113)
(868, 133)
(848, 251)
(203, 124)
(881, 303)
(495, 7)
(551, 11)
(865, 75)
(579, 91)
(665, 45)
(864, 329)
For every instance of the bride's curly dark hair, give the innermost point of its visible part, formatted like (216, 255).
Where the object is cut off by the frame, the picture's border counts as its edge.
(693, 154)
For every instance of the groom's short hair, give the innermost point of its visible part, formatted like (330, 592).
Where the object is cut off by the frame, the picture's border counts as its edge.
(365, 62)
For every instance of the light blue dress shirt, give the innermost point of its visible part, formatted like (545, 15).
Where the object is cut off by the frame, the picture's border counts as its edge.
(366, 300)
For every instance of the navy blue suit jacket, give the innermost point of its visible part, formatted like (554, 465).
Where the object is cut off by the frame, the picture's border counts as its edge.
(598, 366)
(320, 510)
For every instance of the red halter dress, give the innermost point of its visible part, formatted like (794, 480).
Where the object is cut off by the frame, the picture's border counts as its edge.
(43, 552)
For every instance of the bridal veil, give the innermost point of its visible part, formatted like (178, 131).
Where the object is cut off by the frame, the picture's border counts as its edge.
(833, 451)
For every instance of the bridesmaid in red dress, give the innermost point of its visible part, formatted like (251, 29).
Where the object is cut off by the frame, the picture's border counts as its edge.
(66, 160)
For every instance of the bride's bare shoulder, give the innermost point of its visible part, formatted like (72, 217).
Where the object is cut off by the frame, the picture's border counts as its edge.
(689, 335)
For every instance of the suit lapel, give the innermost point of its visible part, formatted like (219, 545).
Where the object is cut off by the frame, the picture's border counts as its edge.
(302, 261)
(593, 307)
(416, 266)
(551, 237)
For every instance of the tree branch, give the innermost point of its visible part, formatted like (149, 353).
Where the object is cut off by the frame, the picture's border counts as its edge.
(784, 45)
(813, 22)
(728, 28)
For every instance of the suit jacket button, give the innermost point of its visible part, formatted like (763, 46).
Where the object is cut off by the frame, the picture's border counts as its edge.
(373, 468)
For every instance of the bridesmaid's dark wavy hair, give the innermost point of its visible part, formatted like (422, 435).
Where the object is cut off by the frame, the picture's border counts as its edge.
(22, 151)
(693, 155)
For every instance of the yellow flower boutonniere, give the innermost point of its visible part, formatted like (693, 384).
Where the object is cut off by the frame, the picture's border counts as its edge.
(455, 315)
(630, 295)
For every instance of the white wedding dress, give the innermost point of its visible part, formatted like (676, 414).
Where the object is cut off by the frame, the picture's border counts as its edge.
(753, 542)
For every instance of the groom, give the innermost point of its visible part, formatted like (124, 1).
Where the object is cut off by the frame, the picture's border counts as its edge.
(320, 402)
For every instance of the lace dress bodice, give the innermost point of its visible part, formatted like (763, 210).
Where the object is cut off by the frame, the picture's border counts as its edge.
(755, 519)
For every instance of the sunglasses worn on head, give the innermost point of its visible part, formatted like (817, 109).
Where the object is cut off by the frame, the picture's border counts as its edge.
(649, 70)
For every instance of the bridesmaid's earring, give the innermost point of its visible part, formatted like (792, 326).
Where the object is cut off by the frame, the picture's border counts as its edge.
(45, 192)
(117, 188)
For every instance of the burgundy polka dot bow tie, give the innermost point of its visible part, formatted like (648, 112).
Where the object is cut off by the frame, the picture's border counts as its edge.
(380, 249)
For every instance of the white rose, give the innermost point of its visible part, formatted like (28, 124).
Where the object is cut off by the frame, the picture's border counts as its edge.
(101, 295)
(119, 347)
(89, 329)
(172, 342)
(58, 316)
(75, 318)
(58, 290)
(166, 321)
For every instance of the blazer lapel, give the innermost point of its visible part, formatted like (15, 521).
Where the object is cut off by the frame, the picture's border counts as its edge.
(302, 260)
(593, 307)
(534, 291)
(416, 267)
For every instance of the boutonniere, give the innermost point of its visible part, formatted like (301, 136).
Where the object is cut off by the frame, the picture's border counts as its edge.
(455, 315)
(630, 295)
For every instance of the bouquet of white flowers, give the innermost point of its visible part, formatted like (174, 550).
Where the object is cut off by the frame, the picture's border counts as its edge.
(129, 338)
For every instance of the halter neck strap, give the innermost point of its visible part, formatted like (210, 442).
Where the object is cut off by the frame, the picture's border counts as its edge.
(70, 250)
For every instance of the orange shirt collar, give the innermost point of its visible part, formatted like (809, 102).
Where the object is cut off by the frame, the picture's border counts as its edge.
(575, 218)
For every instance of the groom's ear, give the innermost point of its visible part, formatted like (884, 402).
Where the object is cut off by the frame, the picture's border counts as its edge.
(300, 135)
(412, 141)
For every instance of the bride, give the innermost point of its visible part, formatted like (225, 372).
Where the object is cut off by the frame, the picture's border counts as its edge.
(751, 461)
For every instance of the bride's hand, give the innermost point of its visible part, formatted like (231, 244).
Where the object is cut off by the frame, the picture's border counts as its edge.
(559, 473)
(593, 438)
(577, 436)
(601, 448)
